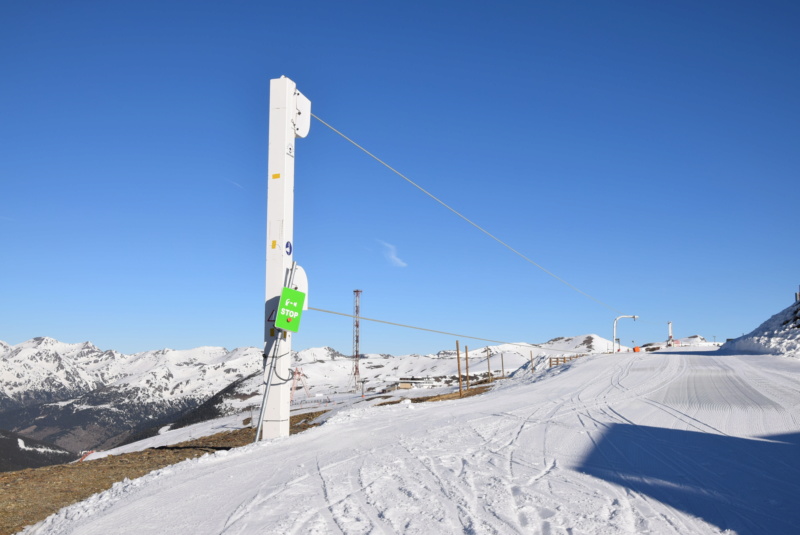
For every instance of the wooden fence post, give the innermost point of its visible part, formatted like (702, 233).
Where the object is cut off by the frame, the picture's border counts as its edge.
(488, 364)
(458, 360)
(466, 361)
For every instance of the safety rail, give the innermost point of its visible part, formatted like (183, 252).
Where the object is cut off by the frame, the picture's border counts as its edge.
(555, 361)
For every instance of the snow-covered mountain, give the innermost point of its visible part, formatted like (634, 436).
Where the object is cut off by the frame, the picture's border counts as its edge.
(44, 369)
(81, 397)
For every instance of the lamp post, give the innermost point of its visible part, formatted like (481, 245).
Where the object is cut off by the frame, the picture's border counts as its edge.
(614, 338)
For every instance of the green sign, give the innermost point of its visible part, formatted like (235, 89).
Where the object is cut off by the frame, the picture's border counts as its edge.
(290, 309)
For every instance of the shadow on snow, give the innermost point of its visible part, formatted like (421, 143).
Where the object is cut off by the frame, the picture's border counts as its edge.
(745, 485)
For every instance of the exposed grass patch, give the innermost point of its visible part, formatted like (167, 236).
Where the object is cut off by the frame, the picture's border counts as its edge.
(473, 391)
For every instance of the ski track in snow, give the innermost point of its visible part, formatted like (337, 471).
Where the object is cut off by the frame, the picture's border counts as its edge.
(608, 444)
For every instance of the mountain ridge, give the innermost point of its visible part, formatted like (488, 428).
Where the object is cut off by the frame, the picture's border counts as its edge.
(81, 397)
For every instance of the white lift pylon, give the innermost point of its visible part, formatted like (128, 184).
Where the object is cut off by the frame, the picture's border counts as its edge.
(289, 118)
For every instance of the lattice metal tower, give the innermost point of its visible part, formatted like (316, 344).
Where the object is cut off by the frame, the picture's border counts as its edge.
(356, 336)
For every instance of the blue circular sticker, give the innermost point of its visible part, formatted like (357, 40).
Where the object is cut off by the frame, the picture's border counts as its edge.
(288, 247)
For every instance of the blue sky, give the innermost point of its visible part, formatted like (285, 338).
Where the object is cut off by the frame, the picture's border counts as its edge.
(645, 152)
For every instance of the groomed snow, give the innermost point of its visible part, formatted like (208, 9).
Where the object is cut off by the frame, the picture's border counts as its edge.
(667, 443)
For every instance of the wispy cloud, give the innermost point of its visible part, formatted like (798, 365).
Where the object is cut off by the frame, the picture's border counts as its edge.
(234, 183)
(390, 253)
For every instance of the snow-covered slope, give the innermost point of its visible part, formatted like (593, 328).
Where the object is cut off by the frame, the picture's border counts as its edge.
(326, 372)
(658, 443)
(81, 397)
(779, 335)
(44, 369)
